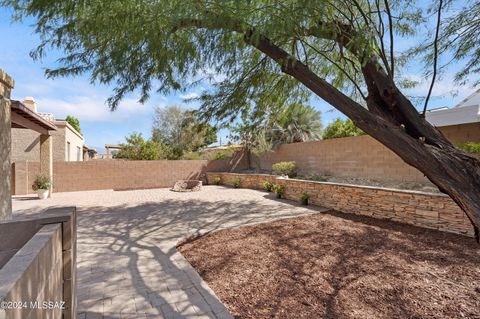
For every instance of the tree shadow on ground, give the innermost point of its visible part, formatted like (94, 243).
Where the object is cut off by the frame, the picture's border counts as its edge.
(142, 241)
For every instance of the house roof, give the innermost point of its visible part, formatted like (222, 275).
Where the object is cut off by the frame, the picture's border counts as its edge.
(23, 117)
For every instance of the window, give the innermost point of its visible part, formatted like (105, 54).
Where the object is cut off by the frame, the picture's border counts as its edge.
(68, 151)
(79, 154)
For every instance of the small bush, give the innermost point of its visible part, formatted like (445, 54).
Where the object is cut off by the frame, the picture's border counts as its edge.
(285, 168)
(41, 182)
(222, 154)
(267, 186)
(470, 147)
(217, 180)
(305, 196)
(278, 189)
(236, 182)
(192, 156)
(318, 178)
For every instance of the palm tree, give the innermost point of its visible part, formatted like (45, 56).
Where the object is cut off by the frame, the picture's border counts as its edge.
(299, 123)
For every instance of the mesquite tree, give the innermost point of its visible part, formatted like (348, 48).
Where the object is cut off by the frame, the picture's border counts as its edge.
(271, 54)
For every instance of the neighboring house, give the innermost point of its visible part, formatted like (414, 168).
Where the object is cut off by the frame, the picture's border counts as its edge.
(460, 123)
(68, 144)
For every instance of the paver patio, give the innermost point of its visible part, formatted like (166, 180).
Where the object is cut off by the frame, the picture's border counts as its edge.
(128, 265)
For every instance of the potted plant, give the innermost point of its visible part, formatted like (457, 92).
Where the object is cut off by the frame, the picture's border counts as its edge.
(42, 185)
(305, 198)
(217, 180)
(279, 190)
(267, 186)
(236, 182)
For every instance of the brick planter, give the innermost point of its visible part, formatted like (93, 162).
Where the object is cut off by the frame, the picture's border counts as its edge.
(436, 211)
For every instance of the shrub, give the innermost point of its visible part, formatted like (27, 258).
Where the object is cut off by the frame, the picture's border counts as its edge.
(267, 186)
(305, 196)
(217, 180)
(236, 182)
(318, 178)
(222, 154)
(285, 168)
(339, 128)
(470, 147)
(41, 182)
(192, 156)
(278, 189)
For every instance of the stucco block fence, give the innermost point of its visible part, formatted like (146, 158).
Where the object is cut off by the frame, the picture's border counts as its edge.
(435, 211)
(120, 174)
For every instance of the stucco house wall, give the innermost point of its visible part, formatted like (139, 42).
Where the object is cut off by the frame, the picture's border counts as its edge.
(26, 144)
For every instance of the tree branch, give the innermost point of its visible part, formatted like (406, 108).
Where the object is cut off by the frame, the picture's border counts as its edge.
(435, 58)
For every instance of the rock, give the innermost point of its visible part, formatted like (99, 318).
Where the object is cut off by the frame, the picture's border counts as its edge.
(187, 186)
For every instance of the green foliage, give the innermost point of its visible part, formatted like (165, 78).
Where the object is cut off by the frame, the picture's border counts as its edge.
(470, 147)
(217, 180)
(222, 154)
(268, 186)
(278, 189)
(285, 168)
(181, 130)
(236, 182)
(136, 148)
(74, 122)
(192, 156)
(339, 128)
(298, 123)
(305, 196)
(41, 182)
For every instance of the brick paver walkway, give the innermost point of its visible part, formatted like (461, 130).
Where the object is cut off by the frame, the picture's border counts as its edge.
(128, 265)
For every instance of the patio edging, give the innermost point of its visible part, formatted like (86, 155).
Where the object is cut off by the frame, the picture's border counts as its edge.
(427, 210)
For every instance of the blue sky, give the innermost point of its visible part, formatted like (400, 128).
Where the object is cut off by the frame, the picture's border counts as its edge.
(77, 97)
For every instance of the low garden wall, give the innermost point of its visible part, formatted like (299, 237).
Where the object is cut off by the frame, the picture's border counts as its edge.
(38, 265)
(426, 210)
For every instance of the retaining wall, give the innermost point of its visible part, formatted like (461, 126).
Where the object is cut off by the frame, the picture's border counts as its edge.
(426, 210)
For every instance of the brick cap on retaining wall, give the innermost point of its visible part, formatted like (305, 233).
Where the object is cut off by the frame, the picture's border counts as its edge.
(405, 191)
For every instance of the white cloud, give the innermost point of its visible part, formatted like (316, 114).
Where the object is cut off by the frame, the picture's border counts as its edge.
(189, 96)
(443, 88)
(92, 108)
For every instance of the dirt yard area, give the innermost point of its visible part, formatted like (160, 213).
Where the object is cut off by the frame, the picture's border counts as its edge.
(336, 265)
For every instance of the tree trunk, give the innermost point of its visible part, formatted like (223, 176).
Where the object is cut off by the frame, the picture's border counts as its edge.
(394, 122)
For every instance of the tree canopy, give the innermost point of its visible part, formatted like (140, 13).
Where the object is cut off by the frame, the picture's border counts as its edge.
(181, 130)
(340, 128)
(74, 122)
(137, 148)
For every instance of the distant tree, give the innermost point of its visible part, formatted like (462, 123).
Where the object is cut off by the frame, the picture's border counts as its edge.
(74, 122)
(340, 128)
(137, 148)
(181, 130)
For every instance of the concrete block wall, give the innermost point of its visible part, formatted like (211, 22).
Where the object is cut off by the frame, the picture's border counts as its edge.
(33, 276)
(120, 174)
(359, 156)
(426, 210)
(38, 266)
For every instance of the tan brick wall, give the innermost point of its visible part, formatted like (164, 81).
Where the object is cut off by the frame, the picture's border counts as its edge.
(120, 174)
(458, 134)
(359, 156)
(421, 209)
